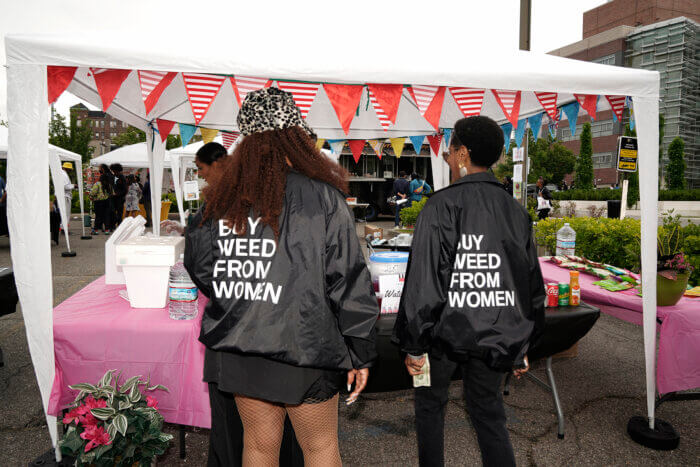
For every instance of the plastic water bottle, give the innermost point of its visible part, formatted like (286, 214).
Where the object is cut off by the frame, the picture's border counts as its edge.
(182, 293)
(566, 241)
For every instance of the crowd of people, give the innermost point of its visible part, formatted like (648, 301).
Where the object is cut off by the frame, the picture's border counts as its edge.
(408, 191)
(114, 194)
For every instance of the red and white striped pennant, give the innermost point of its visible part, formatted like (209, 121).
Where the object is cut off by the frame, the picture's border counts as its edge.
(383, 117)
(242, 85)
(229, 138)
(548, 100)
(617, 103)
(303, 94)
(423, 95)
(153, 83)
(201, 90)
(469, 100)
(509, 102)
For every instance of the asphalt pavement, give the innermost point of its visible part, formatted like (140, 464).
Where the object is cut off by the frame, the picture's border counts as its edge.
(600, 390)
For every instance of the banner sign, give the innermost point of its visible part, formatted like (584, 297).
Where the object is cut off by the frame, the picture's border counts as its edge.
(627, 154)
(190, 190)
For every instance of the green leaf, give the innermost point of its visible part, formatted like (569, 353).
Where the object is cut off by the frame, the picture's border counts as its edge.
(107, 378)
(129, 384)
(123, 405)
(129, 451)
(135, 394)
(121, 423)
(71, 441)
(103, 413)
(101, 450)
(165, 438)
(158, 386)
(111, 430)
(83, 387)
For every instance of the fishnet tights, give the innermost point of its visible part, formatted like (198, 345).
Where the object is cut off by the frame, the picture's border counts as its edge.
(315, 426)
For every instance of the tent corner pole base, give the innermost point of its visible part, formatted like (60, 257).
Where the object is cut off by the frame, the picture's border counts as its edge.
(663, 437)
(69, 254)
(86, 237)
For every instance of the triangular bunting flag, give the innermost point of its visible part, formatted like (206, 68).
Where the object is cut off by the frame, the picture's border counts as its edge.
(208, 134)
(229, 138)
(153, 83)
(201, 91)
(448, 136)
(535, 122)
(589, 103)
(397, 145)
(509, 102)
(319, 143)
(303, 94)
(617, 103)
(417, 142)
(344, 98)
(423, 95)
(469, 100)
(186, 133)
(381, 115)
(520, 132)
(242, 85)
(164, 127)
(630, 105)
(356, 146)
(552, 126)
(336, 145)
(571, 112)
(435, 141)
(388, 98)
(548, 100)
(377, 146)
(507, 130)
(432, 115)
(58, 78)
(108, 84)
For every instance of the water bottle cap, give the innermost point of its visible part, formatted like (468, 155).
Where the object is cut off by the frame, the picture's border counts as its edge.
(565, 223)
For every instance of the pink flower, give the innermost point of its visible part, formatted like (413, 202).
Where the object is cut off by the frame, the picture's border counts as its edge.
(73, 416)
(88, 420)
(92, 403)
(152, 402)
(96, 435)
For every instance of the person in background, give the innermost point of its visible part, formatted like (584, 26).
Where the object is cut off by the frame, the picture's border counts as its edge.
(2, 190)
(419, 188)
(447, 316)
(146, 199)
(289, 353)
(401, 191)
(54, 220)
(119, 194)
(544, 200)
(100, 195)
(68, 187)
(508, 185)
(133, 195)
(3, 208)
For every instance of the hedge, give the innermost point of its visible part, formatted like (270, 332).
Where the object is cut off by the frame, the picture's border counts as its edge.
(607, 193)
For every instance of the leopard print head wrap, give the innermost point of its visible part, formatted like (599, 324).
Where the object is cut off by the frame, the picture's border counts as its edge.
(270, 109)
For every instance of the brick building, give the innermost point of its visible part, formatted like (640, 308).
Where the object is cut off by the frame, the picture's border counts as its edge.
(104, 127)
(651, 35)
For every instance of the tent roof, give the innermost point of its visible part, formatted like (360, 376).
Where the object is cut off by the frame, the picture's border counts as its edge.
(133, 156)
(63, 154)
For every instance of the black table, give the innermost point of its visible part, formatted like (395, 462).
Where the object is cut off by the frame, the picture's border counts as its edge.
(8, 296)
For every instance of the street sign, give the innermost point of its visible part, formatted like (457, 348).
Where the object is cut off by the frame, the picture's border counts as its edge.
(627, 154)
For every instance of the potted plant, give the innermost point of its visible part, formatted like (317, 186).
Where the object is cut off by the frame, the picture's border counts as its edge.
(673, 270)
(113, 425)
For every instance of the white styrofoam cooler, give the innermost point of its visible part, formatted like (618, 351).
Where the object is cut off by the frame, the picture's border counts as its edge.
(146, 263)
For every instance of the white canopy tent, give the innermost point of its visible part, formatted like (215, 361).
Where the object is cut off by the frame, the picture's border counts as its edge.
(56, 155)
(279, 58)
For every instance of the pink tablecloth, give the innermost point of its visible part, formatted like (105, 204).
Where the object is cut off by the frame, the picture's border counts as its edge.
(95, 330)
(678, 361)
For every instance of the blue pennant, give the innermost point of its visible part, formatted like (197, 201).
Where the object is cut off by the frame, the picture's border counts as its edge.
(628, 102)
(417, 142)
(186, 133)
(520, 132)
(507, 129)
(535, 122)
(571, 111)
(448, 136)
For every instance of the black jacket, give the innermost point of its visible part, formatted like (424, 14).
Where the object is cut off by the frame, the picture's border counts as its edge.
(473, 285)
(307, 300)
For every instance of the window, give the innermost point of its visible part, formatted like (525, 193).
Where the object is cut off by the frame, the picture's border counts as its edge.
(97, 135)
(112, 124)
(673, 93)
(124, 125)
(674, 76)
(671, 129)
(102, 123)
(675, 39)
(606, 60)
(113, 134)
(673, 111)
(647, 58)
(675, 57)
(602, 160)
(78, 123)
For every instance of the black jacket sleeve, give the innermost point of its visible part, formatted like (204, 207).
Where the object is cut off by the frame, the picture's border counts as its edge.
(537, 291)
(348, 284)
(198, 255)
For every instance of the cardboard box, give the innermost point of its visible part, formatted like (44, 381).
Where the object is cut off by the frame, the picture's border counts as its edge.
(374, 231)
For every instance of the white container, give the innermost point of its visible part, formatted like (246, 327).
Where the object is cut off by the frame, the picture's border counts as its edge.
(146, 263)
(387, 262)
(566, 241)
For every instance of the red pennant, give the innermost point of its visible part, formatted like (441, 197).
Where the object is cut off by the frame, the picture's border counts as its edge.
(388, 98)
(229, 138)
(510, 103)
(153, 83)
(589, 103)
(201, 91)
(432, 115)
(548, 100)
(58, 78)
(435, 141)
(469, 100)
(303, 94)
(344, 98)
(242, 85)
(164, 127)
(108, 83)
(617, 103)
(356, 146)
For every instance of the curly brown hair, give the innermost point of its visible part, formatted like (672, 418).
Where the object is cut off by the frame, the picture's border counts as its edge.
(253, 179)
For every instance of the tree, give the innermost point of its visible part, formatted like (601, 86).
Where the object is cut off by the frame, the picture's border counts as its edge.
(74, 138)
(131, 136)
(584, 164)
(675, 170)
(549, 160)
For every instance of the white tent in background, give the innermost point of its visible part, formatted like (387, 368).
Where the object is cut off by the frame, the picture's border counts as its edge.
(56, 155)
(275, 57)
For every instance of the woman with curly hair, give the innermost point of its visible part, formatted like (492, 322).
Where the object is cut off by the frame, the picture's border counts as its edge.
(292, 309)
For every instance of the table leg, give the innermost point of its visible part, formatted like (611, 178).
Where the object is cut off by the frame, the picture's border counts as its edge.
(555, 395)
(183, 452)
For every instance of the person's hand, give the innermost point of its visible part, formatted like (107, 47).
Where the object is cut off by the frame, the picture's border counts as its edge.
(518, 372)
(359, 377)
(414, 366)
(168, 227)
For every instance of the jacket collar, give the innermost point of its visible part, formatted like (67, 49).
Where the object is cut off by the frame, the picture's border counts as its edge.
(481, 177)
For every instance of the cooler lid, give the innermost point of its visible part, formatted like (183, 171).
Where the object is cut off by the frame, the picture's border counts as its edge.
(389, 257)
